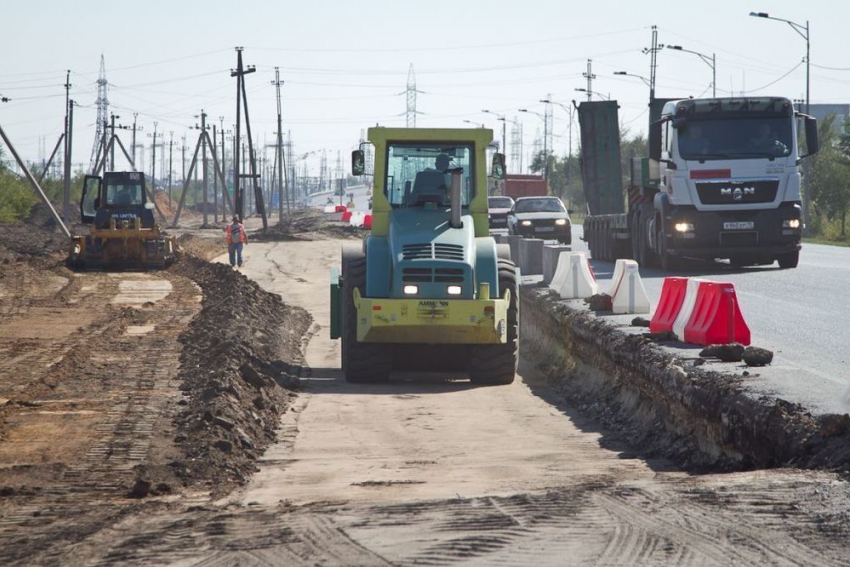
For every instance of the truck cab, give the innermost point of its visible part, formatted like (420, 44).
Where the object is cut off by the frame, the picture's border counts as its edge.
(729, 180)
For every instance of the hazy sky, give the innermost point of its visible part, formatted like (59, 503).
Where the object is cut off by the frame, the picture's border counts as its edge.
(345, 63)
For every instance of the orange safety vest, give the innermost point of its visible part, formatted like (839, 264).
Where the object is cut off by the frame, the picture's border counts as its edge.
(237, 234)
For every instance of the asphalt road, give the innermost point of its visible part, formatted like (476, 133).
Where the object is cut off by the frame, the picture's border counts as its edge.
(361, 198)
(803, 315)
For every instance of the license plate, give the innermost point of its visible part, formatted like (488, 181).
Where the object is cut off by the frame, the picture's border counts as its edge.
(738, 225)
(545, 229)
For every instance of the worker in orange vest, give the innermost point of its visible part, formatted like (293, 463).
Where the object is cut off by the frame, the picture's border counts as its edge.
(236, 239)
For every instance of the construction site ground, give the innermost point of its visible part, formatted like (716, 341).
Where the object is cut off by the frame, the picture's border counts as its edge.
(198, 416)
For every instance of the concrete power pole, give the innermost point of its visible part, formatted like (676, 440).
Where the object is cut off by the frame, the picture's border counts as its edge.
(68, 152)
(280, 161)
(589, 76)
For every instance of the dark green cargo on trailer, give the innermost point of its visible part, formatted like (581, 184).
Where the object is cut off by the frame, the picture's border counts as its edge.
(600, 157)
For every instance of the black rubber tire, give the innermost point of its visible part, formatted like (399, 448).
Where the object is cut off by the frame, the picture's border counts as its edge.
(667, 262)
(361, 362)
(497, 364)
(789, 260)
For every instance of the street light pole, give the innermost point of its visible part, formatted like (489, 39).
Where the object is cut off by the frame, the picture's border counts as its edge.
(802, 31)
(710, 61)
(504, 128)
(545, 141)
(600, 95)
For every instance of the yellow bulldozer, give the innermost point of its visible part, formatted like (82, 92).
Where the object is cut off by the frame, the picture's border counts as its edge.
(123, 232)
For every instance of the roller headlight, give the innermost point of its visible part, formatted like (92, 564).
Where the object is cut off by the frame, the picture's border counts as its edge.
(454, 290)
(411, 289)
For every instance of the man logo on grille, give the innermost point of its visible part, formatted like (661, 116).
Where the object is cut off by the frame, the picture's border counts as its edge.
(737, 193)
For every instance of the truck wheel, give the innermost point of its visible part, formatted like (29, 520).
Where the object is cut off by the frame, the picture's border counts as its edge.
(497, 364)
(667, 261)
(789, 260)
(361, 362)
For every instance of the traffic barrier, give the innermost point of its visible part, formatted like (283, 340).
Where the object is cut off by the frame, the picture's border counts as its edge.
(356, 219)
(346, 216)
(627, 292)
(531, 256)
(340, 209)
(513, 241)
(551, 253)
(573, 278)
(367, 222)
(672, 297)
(330, 209)
(716, 316)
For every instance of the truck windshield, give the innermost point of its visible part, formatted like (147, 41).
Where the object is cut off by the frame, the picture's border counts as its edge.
(417, 173)
(545, 205)
(735, 138)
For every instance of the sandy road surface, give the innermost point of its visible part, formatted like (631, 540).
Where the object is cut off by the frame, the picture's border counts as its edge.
(426, 470)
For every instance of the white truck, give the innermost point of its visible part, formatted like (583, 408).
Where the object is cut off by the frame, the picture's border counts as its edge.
(722, 181)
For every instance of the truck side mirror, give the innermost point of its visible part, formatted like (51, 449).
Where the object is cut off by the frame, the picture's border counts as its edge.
(812, 142)
(655, 140)
(497, 167)
(358, 162)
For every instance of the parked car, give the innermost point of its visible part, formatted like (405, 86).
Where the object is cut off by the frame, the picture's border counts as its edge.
(498, 208)
(540, 217)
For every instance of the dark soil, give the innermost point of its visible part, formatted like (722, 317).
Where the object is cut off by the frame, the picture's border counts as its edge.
(308, 225)
(241, 359)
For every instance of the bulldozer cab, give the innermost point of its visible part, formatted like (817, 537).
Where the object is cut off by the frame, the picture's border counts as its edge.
(117, 195)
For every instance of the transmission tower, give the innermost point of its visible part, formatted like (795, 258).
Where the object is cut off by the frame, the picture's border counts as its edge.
(102, 103)
(516, 146)
(411, 98)
(323, 171)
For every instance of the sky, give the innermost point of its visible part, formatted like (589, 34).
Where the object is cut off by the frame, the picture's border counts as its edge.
(345, 64)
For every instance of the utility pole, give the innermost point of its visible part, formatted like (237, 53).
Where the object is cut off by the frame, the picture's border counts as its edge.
(183, 150)
(215, 178)
(66, 187)
(589, 76)
(653, 65)
(135, 116)
(68, 152)
(153, 158)
(280, 165)
(239, 73)
(203, 129)
(170, 162)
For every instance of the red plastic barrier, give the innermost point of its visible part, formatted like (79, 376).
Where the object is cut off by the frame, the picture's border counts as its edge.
(367, 222)
(346, 216)
(672, 297)
(340, 209)
(716, 317)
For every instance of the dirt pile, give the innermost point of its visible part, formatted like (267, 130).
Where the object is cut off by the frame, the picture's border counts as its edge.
(38, 237)
(239, 368)
(204, 248)
(308, 225)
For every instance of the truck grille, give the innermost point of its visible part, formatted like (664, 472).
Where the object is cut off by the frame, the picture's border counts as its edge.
(432, 251)
(737, 192)
(733, 239)
(429, 275)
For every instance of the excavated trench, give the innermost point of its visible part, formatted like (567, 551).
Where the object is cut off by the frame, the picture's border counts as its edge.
(664, 405)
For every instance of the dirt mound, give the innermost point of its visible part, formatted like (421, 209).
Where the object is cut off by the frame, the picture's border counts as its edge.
(239, 366)
(205, 248)
(168, 207)
(39, 237)
(308, 225)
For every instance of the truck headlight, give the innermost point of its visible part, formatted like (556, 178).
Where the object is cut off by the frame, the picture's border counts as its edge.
(454, 290)
(684, 227)
(411, 289)
(561, 222)
(526, 223)
(792, 223)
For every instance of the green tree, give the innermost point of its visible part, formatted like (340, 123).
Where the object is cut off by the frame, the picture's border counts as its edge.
(830, 175)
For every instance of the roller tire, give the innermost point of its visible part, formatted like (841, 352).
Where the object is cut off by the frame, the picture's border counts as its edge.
(361, 362)
(497, 364)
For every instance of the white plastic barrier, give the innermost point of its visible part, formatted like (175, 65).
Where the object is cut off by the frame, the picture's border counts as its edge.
(330, 208)
(627, 292)
(357, 218)
(573, 278)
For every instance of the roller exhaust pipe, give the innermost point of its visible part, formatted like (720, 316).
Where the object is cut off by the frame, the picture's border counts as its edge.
(454, 216)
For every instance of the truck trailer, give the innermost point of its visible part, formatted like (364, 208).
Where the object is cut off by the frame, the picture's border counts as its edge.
(722, 181)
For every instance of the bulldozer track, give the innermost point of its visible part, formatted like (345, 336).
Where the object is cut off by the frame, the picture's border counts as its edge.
(123, 373)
